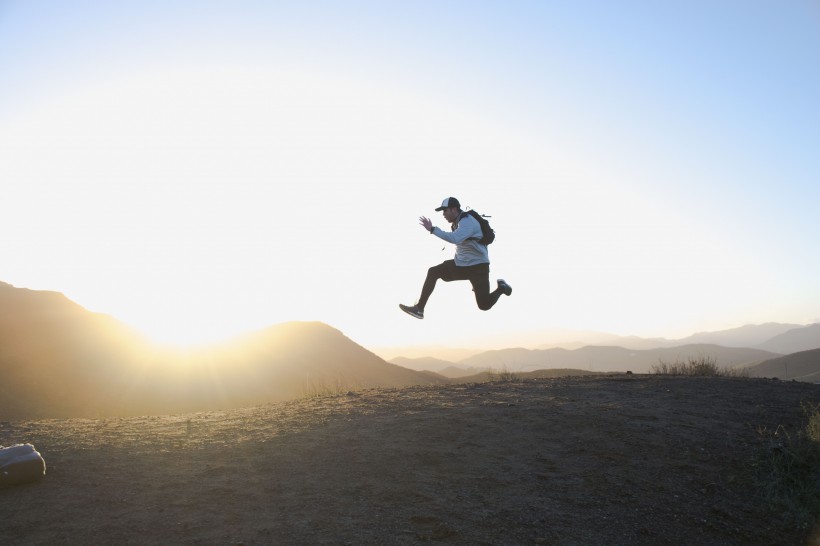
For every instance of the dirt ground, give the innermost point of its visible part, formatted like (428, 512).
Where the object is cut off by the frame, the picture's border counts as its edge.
(623, 459)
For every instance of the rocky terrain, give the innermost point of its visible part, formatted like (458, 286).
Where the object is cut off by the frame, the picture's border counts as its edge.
(619, 459)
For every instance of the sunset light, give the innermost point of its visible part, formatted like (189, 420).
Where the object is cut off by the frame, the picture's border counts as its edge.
(202, 191)
(409, 272)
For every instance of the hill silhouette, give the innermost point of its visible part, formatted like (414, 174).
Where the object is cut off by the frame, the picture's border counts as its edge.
(611, 359)
(58, 359)
(804, 338)
(429, 364)
(54, 354)
(443, 368)
(802, 366)
(750, 335)
(777, 338)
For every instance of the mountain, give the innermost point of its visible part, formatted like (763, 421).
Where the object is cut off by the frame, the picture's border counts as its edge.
(58, 359)
(801, 338)
(485, 376)
(422, 364)
(802, 366)
(756, 336)
(752, 335)
(572, 339)
(610, 359)
(638, 343)
(456, 372)
(450, 354)
(443, 368)
(300, 358)
(56, 354)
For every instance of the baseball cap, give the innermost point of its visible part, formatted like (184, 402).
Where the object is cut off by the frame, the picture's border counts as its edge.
(449, 202)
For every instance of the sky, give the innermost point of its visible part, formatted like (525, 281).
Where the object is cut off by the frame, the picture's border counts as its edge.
(203, 169)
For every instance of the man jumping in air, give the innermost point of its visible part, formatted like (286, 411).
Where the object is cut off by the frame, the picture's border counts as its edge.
(471, 263)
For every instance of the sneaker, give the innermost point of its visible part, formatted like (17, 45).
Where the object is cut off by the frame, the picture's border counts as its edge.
(414, 310)
(505, 288)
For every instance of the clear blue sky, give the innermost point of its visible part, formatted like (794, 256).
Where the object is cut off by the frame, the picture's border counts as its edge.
(199, 169)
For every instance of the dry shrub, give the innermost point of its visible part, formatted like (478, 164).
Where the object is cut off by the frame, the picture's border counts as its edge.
(700, 366)
(502, 376)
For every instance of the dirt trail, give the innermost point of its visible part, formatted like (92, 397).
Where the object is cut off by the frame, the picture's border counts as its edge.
(596, 460)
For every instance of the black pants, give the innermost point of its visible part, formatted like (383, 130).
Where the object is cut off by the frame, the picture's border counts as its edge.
(478, 275)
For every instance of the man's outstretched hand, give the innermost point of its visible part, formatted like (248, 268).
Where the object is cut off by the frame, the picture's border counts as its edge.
(426, 222)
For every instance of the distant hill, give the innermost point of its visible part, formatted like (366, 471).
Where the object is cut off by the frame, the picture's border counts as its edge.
(443, 368)
(422, 364)
(449, 354)
(457, 372)
(58, 359)
(801, 338)
(774, 338)
(745, 336)
(756, 336)
(486, 376)
(570, 339)
(299, 358)
(802, 366)
(54, 354)
(611, 359)
(752, 335)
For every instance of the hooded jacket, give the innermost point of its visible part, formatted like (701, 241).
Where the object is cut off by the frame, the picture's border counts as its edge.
(465, 235)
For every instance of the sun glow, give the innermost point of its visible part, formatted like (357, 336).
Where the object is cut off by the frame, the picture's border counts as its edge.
(197, 201)
(199, 205)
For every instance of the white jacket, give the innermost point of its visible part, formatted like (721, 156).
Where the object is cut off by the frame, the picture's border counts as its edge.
(466, 236)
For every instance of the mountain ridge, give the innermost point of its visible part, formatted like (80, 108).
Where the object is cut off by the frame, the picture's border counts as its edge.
(58, 359)
(611, 359)
(800, 366)
(795, 340)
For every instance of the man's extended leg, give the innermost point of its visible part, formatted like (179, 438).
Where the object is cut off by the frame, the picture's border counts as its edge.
(445, 271)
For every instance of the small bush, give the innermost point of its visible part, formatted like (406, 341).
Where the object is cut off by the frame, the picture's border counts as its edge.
(701, 366)
(503, 376)
(320, 389)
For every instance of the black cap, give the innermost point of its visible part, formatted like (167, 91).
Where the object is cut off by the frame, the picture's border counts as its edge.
(449, 203)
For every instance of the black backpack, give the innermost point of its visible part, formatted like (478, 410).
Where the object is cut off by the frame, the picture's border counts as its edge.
(487, 233)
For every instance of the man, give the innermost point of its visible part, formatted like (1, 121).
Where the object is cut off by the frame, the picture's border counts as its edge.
(471, 263)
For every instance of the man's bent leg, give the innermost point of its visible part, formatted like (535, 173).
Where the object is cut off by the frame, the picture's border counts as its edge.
(480, 279)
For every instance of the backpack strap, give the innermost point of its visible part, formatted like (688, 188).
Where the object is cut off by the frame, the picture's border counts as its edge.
(454, 225)
(464, 214)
